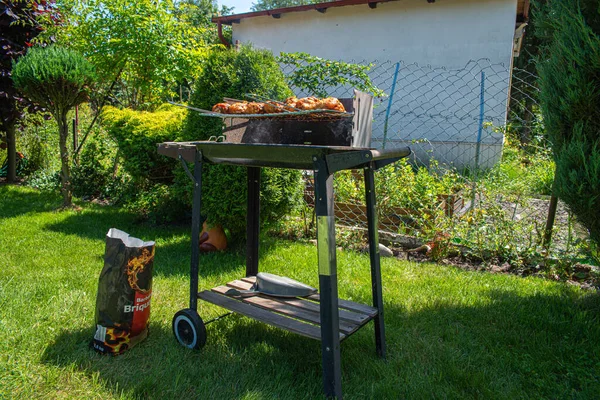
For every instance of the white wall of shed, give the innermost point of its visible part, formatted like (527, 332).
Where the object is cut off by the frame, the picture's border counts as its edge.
(448, 33)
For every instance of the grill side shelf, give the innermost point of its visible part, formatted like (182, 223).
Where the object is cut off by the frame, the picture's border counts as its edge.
(262, 315)
(187, 150)
(343, 304)
(347, 316)
(295, 314)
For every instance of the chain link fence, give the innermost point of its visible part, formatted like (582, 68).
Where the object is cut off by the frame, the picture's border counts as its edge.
(481, 172)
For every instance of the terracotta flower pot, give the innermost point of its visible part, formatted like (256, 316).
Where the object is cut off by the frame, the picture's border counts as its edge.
(213, 239)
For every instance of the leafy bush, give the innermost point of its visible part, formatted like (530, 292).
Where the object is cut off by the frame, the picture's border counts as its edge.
(400, 185)
(38, 141)
(137, 134)
(145, 185)
(413, 194)
(159, 204)
(91, 176)
(523, 171)
(317, 75)
(231, 73)
(45, 180)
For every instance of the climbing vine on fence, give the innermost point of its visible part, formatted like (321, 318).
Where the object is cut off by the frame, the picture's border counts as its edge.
(316, 75)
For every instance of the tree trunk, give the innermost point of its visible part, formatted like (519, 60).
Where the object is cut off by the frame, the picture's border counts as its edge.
(12, 152)
(527, 120)
(65, 174)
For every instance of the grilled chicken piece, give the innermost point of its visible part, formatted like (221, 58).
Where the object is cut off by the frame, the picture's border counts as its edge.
(238, 108)
(331, 103)
(254, 108)
(273, 108)
(222, 108)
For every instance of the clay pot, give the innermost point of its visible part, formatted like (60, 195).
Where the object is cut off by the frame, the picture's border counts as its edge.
(212, 239)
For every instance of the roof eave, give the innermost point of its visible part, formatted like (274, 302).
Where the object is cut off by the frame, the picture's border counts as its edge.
(276, 13)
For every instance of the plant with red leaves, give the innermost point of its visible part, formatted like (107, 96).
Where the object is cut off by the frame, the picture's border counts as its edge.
(21, 21)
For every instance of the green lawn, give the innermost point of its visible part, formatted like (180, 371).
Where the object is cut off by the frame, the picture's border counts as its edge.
(450, 333)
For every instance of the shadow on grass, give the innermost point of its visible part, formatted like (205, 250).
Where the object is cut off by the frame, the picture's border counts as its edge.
(173, 247)
(160, 368)
(15, 201)
(513, 347)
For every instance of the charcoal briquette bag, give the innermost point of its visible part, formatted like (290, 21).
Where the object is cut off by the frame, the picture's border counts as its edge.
(124, 292)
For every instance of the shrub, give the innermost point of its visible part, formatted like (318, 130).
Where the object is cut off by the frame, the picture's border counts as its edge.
(569, 80)
(318, 76)
(158, 204)
(44, 180)
(231, 73)
(37, 140)
(145, 185)
(91, 176)
(137, 134)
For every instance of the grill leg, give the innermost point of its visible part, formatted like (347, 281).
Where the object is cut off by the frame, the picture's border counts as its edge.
(330, 339)
(196, 208)
(373, 226)
(253, 221)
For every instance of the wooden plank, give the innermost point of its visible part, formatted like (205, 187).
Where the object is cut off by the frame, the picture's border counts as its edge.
(347, 304)
(350, 305)
(281, 307)
(349, 316)
(259, 314)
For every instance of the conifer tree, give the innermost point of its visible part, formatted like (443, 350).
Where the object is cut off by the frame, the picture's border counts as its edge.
(569, 72)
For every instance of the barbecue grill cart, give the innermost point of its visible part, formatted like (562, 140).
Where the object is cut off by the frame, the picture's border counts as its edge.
(320, 316)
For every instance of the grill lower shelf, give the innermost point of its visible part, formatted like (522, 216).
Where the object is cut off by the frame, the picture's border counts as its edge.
(298, 315)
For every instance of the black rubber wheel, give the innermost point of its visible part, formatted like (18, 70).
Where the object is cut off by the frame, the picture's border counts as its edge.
(189, 329)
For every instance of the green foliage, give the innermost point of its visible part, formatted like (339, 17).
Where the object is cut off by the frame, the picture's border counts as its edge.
(231, 73)
(524, 171)
(224, 195)
(317, 75)
(55, 77)
(410, 199)
(158, 204)
(44, 180)
(91, 176)
(401, 186)
(578, 180)
(148, 47)
(569, 80)
(137, 133)
(262, 5)
(37, 140)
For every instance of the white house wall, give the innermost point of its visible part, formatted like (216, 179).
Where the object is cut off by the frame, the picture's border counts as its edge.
(442, 47)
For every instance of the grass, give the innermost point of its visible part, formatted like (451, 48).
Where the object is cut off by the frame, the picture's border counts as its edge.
(450, 333)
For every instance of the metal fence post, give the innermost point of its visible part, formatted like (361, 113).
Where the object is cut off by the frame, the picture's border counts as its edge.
(390, 101)
(479, 133)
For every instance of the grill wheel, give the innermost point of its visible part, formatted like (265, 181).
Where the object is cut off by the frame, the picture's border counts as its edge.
(189, 329)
